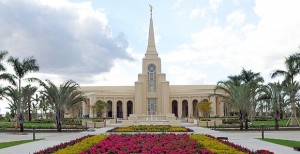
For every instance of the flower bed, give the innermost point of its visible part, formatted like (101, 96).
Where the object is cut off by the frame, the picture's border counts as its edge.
(83, 145)
(150, 143)
(147, 143)
(221, 146)
(62, 145)
(151, 128)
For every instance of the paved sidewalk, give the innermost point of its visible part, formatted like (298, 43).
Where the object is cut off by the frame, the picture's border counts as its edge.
(247, 139)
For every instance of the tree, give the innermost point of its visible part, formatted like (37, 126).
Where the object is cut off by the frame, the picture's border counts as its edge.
(27, 93)
(99, 108)
(205, 108)
(20, 70)
(238, 96)
(62, 97)
(273, 92)
(11, 95)
(292, 64)
(4, 76)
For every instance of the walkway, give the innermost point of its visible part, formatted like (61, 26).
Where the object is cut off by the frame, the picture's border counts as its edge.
(247, 139)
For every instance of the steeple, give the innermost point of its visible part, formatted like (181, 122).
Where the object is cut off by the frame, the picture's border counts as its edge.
(151, 49)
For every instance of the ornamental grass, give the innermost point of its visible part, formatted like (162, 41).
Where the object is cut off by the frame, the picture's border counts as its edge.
(83, 145)
(151, 128)
(146, 144)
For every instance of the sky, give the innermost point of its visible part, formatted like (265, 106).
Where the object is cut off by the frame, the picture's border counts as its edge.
(101, 42)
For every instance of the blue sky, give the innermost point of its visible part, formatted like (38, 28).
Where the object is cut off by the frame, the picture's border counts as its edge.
(97, 42)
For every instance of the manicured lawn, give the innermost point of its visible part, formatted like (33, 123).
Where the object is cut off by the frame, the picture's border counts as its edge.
(27, 125)
(288, 143)
(282, 123)
(13, 143)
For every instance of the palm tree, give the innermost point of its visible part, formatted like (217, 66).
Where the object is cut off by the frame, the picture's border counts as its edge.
(20, 70)
(11, 95)
(273, 92)
(62, 97)
(27, 93)
(4, 76)
(292, 64)
(238, 96)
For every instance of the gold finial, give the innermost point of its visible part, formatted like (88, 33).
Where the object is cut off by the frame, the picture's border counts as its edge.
(151, 7)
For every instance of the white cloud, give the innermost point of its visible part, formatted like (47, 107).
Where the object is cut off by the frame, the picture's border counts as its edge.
(236, 18)
(71, 39)
(197, 12)
(215, 4)
(177, 4)
(261, 47)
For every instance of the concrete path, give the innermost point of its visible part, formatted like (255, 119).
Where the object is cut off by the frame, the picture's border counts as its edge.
(246, 139)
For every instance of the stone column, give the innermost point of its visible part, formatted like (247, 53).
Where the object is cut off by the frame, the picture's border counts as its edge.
(213, 106)
(124, 109)
(190, 108)
(84, 109)
(114, 108)
(92, 102)
(179, 108)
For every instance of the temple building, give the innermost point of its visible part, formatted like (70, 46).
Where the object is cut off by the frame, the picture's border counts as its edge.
(151, 94)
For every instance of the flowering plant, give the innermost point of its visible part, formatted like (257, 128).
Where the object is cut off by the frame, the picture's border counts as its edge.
(61, 146)
(147, 143)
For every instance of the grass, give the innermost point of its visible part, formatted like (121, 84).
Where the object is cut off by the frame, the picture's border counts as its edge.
(288, 143)
(13, 143)
(27, 125)
(282, 123)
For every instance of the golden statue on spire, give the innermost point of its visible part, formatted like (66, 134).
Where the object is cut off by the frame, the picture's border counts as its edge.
(151, 7)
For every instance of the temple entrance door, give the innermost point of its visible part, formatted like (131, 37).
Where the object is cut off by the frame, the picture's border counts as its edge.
(119, 109)
(184, 108)
(175, 108)
(151, 106)
(129, 108)
(109, 109)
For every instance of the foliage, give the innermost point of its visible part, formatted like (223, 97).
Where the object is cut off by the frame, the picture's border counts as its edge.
(20, 70)
(151, 128)
(62, 145)
(99, 108)
(205, 107)
(13, 143)
(62, 97)
(146, 143)
(83, 145)
(292, 64)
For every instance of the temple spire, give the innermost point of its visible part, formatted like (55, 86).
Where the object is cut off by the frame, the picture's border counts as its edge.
(151, 49)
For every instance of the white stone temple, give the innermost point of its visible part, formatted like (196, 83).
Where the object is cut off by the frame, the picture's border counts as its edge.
(152, 94)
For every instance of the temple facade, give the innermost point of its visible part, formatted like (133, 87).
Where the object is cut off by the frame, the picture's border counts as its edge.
(152, 94)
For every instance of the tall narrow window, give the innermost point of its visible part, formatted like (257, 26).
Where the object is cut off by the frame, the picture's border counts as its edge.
(151, 78)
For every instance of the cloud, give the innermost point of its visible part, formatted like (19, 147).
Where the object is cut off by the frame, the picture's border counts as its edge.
(197, 12)
(70, 39)
(215, 4)
(227, 48)
(236, 18)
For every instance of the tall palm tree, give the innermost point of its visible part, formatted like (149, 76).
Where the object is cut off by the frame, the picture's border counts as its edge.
(27, 93)
(273, 92)
(292, 64)
(238, 96)
(62, 97)
(20, 70)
